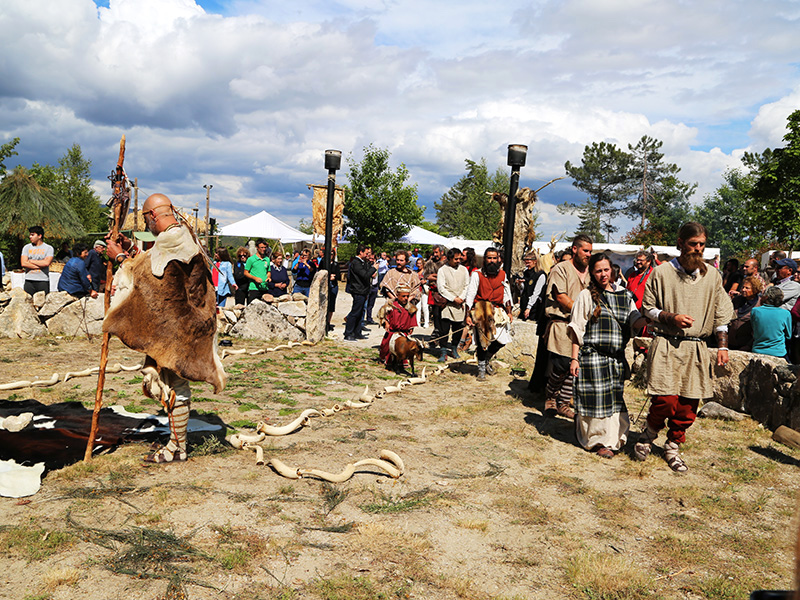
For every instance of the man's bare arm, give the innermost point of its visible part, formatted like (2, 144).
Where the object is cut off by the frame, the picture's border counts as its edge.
(565, 302)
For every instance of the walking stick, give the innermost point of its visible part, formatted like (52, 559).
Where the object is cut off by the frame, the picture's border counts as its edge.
(118, 203)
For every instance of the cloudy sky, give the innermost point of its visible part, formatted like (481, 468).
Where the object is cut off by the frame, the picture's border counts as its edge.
(246, 95)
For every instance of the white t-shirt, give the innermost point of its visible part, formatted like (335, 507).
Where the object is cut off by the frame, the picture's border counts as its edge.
(39, 252)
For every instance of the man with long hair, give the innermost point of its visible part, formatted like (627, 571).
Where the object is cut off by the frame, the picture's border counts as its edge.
(687, 303)
(566, 280)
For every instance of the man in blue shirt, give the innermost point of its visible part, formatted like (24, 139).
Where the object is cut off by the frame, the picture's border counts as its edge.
(96, 264)
(75, 278)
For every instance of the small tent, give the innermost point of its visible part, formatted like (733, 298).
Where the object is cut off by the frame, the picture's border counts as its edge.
(267, 226)
(418, 235)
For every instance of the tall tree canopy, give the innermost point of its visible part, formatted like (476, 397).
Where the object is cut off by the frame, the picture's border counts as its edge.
(23, 203)
(7, 151)
(604, 176)
(652, 181)
(776, 193)
(379, 205)
(466, 209)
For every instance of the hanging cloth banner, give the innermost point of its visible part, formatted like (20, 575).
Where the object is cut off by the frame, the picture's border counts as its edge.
(319, 204)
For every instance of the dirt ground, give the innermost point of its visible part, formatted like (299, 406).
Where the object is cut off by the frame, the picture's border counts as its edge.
(497, 501)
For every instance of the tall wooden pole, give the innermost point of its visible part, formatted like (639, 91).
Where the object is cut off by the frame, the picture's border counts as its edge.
(516, 159)
(208, 209)
(135, 204)
(119, 206)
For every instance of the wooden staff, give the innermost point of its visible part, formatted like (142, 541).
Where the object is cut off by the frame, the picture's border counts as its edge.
(119, 206)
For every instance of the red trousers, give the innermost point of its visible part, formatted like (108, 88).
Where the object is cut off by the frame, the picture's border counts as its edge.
(678, 412)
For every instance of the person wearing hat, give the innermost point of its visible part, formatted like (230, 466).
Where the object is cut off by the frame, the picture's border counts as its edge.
(96, 265)
(399, 319)
(785, 268)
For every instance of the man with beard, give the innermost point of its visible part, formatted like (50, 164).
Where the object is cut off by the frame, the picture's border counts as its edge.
(489, 290)
(431, 271)
(567, 279)
(640, 273)
(398, 320)
(401, 275)
(359, 278)
(687, 302)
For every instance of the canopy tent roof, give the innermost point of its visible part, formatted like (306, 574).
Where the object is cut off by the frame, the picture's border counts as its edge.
(418, 235)
(267, 226)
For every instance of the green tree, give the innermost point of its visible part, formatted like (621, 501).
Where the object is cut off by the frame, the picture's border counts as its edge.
(7, 151)
(776, 194)
(727, 216)
(466, 209)
(651, 179)
(379, 205)
(306, 226)
(75, 185)
(604, 176)
(23, 202)
(669, 209)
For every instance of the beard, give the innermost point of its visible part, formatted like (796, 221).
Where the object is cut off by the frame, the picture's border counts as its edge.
(491, 269)
(692, 261)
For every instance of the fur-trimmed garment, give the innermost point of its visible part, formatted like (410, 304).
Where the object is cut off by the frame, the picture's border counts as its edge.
(165, 307)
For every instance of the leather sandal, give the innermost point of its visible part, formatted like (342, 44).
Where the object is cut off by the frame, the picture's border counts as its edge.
(605, 452)
(565, 410)
(674, 460)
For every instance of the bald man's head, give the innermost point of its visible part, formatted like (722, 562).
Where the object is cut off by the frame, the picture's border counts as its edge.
(158, 213)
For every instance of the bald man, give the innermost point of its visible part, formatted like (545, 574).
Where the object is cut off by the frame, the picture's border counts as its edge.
(164, 305)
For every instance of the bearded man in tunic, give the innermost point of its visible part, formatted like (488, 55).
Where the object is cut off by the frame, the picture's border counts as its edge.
(489, 304)
(565, 282)
(399, 319)
(401, 275)
(687, 303)
(164, 306)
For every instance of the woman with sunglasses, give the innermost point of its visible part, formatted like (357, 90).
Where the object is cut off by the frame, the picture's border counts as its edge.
(242, 254)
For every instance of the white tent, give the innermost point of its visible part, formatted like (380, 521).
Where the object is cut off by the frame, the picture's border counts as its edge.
(418, 235)
(266, 226)
(479, 246)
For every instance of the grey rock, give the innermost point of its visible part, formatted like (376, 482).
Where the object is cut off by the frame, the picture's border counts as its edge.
(297, 296)
(295, 308)
(300, 323)
(38, 299)
(83, 317)
(714, 410)
(5, 298)
(54, 302)
(522, 349)
(315, 324)
(728, 378)
(263, 321)
(19, 319)
(230, 316)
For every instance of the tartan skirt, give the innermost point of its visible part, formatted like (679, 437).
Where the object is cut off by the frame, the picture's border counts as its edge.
(599, 385)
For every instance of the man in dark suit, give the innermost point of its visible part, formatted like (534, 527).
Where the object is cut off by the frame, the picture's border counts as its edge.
(359, 279)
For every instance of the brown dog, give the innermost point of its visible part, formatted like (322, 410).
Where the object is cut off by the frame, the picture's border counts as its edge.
(404, 349)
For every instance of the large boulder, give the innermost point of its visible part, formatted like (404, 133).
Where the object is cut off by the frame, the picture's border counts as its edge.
(522, 349)
(316, 315)
(80, 318)
(19, 318)
(293, 308)
(263, 321)
(54, 302)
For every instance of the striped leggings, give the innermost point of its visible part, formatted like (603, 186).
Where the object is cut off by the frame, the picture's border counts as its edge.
(559, 383)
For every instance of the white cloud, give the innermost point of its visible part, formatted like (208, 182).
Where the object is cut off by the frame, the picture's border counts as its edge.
(249, 100)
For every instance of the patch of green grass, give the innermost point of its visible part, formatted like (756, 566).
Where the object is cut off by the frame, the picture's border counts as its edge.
(33, 543)
(243, 423)
(386, 505)
(239, 394)
(607, 577)
(209, 446)
(287, 411)
(347, 587)
(245, 406)
(135, 379)
(134, 408)
(284, 399)
(722, 588)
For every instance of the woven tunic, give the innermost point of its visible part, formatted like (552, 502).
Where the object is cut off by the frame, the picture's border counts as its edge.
(600, 382)
(679, 366)
(563, 279)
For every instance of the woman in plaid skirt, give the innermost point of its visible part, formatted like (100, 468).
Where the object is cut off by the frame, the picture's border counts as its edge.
(600, 326)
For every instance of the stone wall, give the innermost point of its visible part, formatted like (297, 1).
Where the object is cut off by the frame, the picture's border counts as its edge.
(58, 313)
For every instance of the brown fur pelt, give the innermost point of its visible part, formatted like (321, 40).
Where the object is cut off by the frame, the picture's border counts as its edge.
(482, 315)
(406, 349)
(171, 319)
(524, 231)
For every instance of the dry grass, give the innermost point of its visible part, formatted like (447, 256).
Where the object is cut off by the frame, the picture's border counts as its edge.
(608, 577)
(59, 576)
(476, 524)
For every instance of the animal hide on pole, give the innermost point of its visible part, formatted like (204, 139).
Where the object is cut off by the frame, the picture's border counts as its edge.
(524, 232)
(319, 205)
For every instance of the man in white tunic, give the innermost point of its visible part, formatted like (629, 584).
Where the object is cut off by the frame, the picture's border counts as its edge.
(452, 280)
(687, 303)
